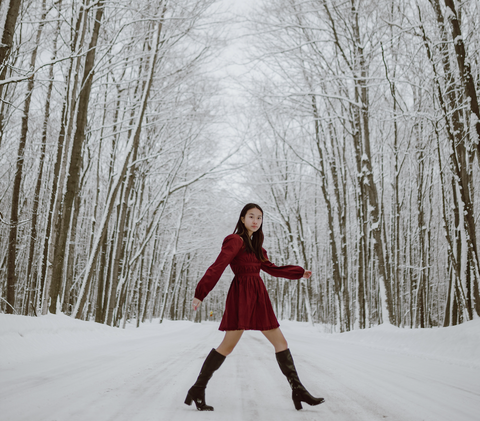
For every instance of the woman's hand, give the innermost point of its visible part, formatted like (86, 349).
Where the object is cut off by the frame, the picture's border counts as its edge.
(196, 303)
(307, 274)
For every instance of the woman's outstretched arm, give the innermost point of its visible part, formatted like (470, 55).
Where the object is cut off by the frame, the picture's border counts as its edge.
(230, 248)
(288, 271)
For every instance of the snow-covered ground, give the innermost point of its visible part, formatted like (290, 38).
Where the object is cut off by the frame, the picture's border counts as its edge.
(54, 368)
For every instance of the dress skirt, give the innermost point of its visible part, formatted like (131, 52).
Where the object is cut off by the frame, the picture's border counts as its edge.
(248, 305)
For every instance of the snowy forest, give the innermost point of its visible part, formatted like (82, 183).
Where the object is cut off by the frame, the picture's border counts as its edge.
(132, 134)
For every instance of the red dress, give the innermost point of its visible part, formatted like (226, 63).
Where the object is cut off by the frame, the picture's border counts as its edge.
(248, 305)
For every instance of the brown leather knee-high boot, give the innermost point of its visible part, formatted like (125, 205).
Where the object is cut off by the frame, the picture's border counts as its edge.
(197, 392)
(299, 393)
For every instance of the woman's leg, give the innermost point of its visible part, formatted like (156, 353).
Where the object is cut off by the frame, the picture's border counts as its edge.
(285, 361)
(276, 338)
(213, 362)
(229, 342)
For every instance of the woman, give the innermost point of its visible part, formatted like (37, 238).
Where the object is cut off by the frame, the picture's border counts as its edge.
(248, 305)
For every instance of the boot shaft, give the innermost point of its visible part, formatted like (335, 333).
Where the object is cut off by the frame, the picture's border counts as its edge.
(212, 363)
(286, 364)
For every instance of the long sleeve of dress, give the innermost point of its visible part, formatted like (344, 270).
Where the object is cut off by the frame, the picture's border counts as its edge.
(230, 248)
(288, 271)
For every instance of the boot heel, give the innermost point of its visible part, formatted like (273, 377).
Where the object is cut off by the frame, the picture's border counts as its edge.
(188, 399)
(298, 404)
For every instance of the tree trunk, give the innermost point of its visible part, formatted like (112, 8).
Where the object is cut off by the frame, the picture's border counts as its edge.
(468, 82)
(336, 273)
(31, 283)
(12, 243)
(11, 7)
(61, 163)
(148, 306)
(73, 180)
(456, 133)
(173, 267)
(67, 301)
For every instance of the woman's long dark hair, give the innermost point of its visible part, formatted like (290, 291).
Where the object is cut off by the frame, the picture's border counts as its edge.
(253, 245)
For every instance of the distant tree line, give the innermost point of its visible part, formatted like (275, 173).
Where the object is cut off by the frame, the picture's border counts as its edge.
(358, 133)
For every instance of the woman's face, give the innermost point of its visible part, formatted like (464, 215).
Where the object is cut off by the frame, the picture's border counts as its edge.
(252, 220)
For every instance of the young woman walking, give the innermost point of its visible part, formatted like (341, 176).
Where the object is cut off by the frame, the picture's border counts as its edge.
(248, 305)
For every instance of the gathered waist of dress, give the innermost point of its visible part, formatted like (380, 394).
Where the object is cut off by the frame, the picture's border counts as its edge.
(250, 273)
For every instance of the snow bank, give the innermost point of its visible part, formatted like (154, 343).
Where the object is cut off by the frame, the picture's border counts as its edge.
(27, 338)
(456, 344)
(30, 338)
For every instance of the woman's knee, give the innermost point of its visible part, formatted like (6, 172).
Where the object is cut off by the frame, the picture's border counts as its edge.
(276, 338)
(225, 350)
(281, 345)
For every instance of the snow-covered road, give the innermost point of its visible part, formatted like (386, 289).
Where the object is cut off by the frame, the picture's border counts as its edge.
(71, 373)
